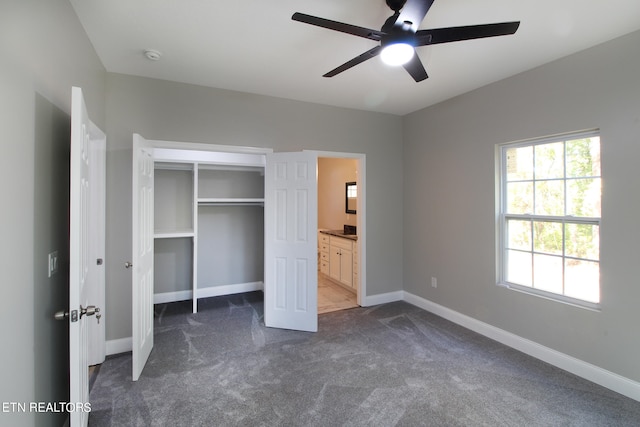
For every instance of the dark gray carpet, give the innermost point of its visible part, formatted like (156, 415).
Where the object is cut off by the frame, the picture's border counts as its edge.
(390, 365)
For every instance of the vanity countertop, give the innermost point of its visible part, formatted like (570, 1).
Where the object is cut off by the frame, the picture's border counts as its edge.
(340, 233)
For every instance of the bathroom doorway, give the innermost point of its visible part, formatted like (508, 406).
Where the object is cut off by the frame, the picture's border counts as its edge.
(340, 230)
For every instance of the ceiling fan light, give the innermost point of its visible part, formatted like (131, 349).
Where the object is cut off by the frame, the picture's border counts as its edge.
(397, 53)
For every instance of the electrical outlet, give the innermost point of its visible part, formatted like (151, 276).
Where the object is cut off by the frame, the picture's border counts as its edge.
(434, 282)
(53, 263)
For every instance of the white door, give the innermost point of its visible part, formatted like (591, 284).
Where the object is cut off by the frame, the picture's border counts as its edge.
(291, 221)
(97, 163)
(82, 134)
(142, 250)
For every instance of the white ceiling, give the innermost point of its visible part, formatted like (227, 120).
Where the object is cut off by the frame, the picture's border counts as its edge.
(254, 46)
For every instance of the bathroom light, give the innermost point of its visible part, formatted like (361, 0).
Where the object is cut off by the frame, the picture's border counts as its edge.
(398, 53)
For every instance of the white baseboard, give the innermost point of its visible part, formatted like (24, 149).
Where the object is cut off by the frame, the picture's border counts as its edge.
(206, 292)
(368, 301)
(122, 345)
(608, 379)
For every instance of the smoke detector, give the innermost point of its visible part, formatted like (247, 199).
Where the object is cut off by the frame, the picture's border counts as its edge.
(152, 54)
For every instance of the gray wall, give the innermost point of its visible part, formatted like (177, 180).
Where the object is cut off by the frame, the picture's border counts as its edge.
(449, 209)
(173, 111)
(43, 52)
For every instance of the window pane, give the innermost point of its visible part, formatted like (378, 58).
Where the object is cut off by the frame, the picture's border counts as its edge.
(519, 163)
(549, 198)
(583, 157)
(582, 241)
(519, 234)
(519, 197)
(519, 268)
(547, 273)
(547, 237)
(583, 197)
(582, 280)
(549, 160)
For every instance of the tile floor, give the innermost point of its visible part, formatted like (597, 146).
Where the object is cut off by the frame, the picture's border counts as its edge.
(333, 297)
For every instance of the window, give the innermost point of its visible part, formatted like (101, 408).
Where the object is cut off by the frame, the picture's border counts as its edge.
(549, 219)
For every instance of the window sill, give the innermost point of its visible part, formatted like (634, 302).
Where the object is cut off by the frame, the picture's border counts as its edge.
(596, 307)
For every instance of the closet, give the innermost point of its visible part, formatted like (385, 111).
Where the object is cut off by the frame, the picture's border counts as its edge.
(212, 220)
(208, 224)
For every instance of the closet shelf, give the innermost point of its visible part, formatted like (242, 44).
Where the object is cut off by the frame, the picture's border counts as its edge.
(233, 201)
(173, 234)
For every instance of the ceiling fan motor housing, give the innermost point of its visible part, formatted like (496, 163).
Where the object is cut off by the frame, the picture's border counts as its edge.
(398, 36)
(396, 5)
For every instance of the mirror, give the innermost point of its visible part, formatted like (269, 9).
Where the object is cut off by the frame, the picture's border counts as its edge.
(351, 197)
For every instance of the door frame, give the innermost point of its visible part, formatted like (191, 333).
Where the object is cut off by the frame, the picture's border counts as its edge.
(361, 215)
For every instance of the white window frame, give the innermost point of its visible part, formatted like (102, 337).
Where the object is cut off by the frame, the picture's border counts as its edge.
(502, 217)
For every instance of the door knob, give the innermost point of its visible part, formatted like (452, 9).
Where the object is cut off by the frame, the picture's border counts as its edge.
(128, 264)
(61, 315)
(90, 310)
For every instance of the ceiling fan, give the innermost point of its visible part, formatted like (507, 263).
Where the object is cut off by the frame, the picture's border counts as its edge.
(399, 36)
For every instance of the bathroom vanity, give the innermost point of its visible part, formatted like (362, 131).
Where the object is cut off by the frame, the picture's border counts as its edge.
(339, 257)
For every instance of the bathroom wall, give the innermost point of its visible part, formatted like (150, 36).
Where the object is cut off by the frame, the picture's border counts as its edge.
(333, 173)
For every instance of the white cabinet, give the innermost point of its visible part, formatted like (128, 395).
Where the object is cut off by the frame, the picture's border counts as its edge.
(323, 246)
(356, 266)
(339, 259)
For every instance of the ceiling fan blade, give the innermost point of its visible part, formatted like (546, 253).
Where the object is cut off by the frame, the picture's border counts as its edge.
(367, 33)
(416, 69)
(454, 34)
(414, 11)
(371, 53)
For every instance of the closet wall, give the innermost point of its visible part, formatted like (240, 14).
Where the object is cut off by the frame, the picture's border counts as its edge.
(230, 233)
(173, 199)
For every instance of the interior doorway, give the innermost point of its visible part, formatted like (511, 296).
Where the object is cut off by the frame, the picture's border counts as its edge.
(340, 230)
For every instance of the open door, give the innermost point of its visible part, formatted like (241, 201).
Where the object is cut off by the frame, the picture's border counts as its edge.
(291, 217)
(142, 252)
(97, 166)
(83, 133)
